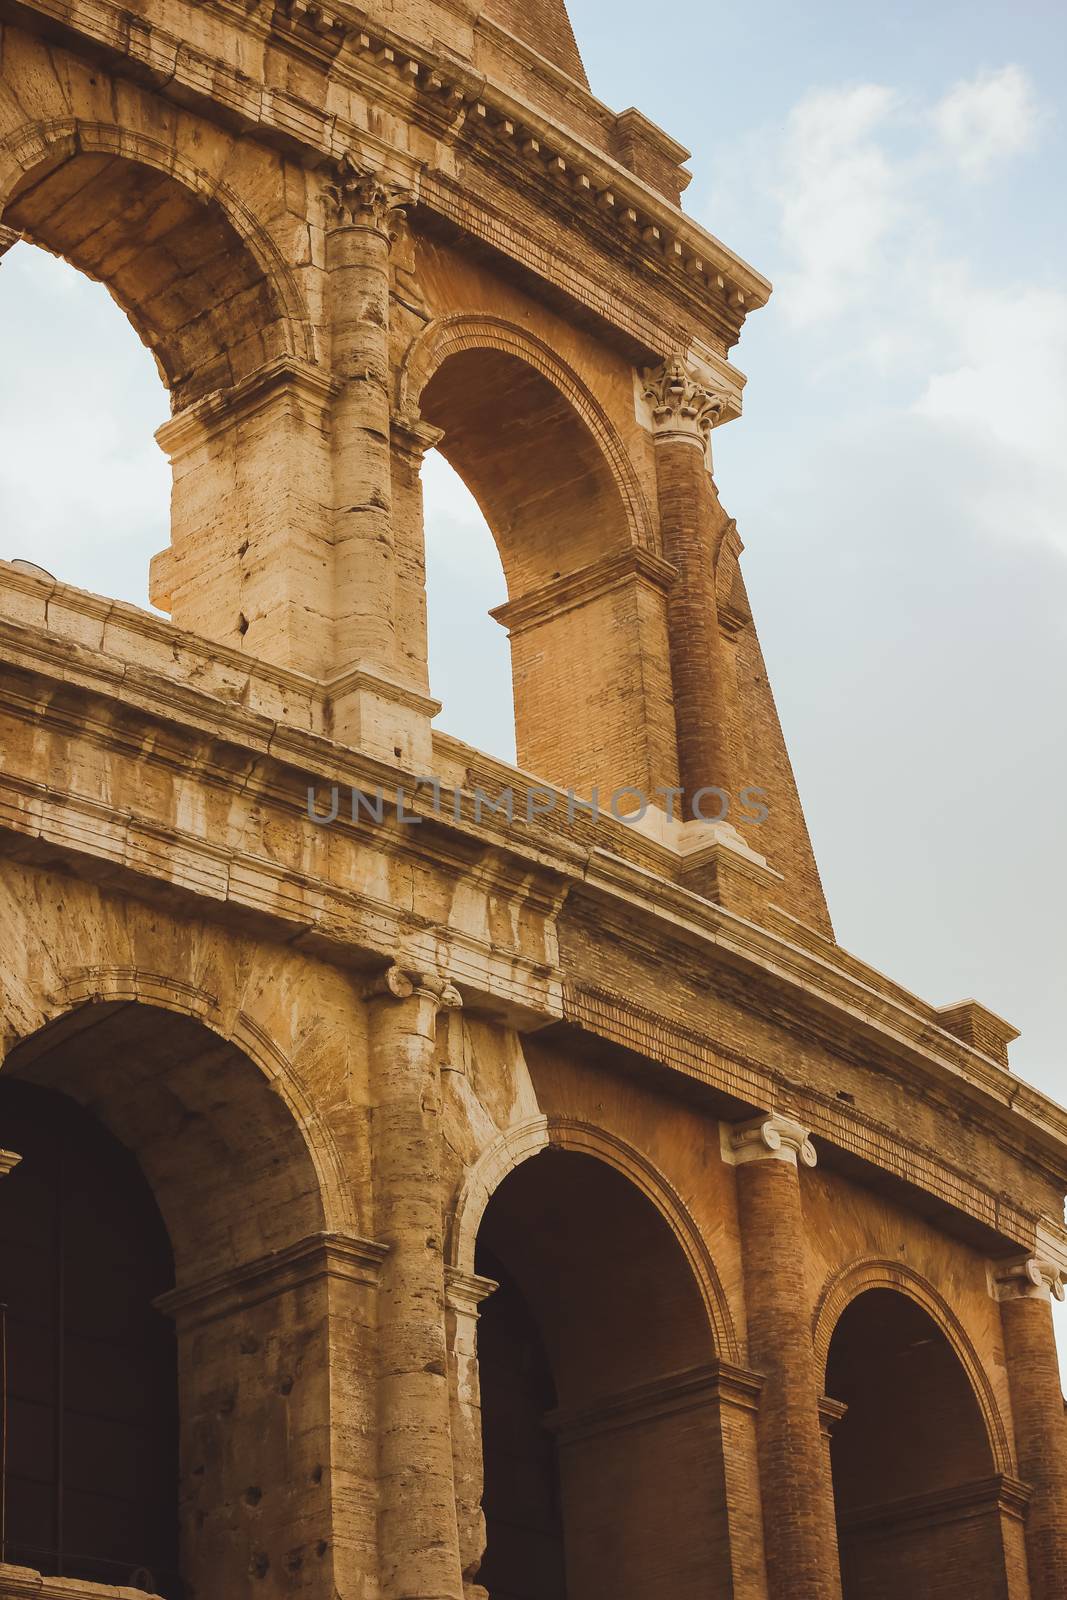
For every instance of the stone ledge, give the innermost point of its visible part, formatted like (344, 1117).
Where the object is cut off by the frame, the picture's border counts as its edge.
(24, 1583)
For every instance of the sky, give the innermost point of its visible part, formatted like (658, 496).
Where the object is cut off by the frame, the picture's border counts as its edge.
(899, 476)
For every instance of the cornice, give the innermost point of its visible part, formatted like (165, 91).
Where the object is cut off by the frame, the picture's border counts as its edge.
(457, 104)
(85, 692)
(324, 1255)
(587, 583)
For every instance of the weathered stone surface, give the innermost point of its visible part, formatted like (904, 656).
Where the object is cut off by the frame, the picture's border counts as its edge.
(462, 1052)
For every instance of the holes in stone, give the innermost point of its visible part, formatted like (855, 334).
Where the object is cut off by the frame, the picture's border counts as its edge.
(253, 1495)
(849, 1099)
(286, 1385)
(316, 1474)
(259, 1565)
(242, 624)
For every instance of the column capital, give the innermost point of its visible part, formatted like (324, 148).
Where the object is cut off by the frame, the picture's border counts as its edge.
(400, 983)
(359, 197)
(683, 407)
(8, 1162)
(1028, 1278)
(771, 1137)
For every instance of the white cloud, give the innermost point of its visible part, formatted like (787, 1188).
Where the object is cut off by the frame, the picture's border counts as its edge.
(839, 195)
(1005, 389)
(986, 119)
(864, 189)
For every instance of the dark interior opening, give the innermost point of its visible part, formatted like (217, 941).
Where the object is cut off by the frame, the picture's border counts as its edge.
(90, 1381)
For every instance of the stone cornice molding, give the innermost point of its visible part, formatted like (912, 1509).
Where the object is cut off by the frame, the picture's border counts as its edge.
(357, 196)
(465, 1291)
(773, 1137)
(288, 376)
(325, 1255)
(831, 1412)
(718, 1383)
(26, 1583)
(940, 1506)
(9, 237)
(8, 1162)
(587, 583)
(451, 99)
(1029, 1278)
(683, 407)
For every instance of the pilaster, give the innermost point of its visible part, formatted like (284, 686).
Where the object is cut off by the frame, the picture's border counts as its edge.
(770, 1153)
(417, 1522)
(250, 561)
(1025, 1289)
(683, 411)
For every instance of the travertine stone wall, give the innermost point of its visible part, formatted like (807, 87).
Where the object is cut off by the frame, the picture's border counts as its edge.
(361, 1062)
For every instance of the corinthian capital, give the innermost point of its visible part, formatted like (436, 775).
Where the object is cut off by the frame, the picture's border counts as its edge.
(772, 1138)
(357, 197)
(683, 407)
(1030, 1278)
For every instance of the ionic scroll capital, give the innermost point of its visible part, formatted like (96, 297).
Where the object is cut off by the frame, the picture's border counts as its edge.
(400, 983)
(1029, 1278)
(683, 406)
(774, 1137)
(357, 197)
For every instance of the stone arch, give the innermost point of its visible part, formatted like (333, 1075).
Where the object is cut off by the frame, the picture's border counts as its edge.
(526, 1139)
(874, 1273)
(202, 256)
(463, 332)
(110, 988)
(586, 612)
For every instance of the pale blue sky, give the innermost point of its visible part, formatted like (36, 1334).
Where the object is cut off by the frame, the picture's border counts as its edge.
(899, 476)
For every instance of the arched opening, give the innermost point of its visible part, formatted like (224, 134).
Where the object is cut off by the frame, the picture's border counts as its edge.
(208, 292)
(90, 1373)
(195, 293)
(915, 1485)
(585, 609)
(468, 660)
(530, 461)
(602, 1453)
(84, 488)
(180, 1172)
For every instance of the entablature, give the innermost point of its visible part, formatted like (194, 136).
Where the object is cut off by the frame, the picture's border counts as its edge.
(253, 857)
(673, 283)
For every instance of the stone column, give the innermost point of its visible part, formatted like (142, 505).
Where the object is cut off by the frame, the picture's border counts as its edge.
(1025, 1291)
(417, 1529)
(376, 702)
(363, 210)
(692, 525)
(800, 1548)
